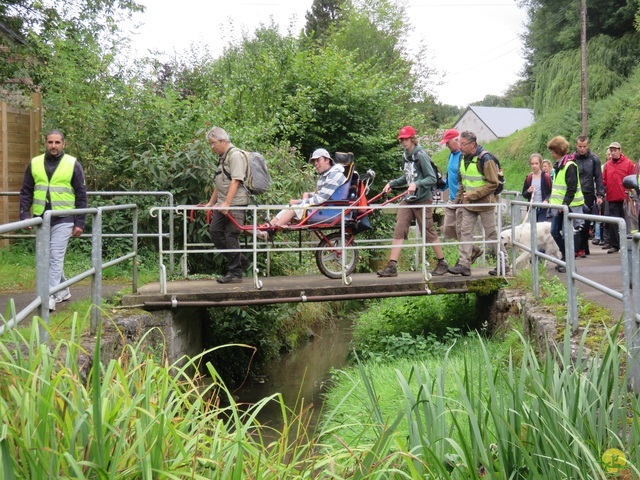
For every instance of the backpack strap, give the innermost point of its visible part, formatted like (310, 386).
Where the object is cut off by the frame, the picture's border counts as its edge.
(481, 160)
(226, 172)
(418, 162)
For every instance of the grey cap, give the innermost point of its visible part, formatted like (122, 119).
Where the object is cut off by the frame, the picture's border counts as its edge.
(320, 152)
(615, 145)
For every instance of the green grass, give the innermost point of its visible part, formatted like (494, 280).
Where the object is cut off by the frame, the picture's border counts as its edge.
(137, 417)
(17, 270)
(18, 274)
(476, 413)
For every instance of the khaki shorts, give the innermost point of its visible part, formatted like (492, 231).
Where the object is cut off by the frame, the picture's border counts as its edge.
(406, 215)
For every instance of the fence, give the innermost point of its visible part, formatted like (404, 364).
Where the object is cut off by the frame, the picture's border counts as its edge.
(630, 300)
(19, 141)
(43, 291)
(630, 276)
(169, 236)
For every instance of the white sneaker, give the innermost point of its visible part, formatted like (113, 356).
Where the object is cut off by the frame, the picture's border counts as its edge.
(52, 303)
(62, 296)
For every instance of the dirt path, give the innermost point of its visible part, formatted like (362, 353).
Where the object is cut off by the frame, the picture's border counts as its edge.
(78, 292)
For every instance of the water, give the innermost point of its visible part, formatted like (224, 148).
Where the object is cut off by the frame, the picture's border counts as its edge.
(302, 375)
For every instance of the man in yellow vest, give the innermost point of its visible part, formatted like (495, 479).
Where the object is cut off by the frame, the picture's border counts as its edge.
(55, 181)
(477, 180)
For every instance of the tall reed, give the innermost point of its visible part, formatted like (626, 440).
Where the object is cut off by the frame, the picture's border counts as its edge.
(136, 417)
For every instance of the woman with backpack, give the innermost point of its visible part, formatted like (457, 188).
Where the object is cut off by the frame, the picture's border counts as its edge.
(537, 186)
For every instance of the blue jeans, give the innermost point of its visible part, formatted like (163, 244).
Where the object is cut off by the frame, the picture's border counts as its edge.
(556, 232)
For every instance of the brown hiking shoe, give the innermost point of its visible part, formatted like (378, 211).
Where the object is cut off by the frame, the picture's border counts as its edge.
(391, 270)
(458, 269)
(441, 268)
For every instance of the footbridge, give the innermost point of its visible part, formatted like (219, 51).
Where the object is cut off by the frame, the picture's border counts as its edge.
(309, 288)
(177, 291)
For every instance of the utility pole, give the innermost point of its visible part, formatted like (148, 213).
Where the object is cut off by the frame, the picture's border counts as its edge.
(583, 52)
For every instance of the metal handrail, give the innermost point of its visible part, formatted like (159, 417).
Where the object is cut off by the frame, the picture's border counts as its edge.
(630, 298)
(169, 235)
(254, 247)
(43, 236)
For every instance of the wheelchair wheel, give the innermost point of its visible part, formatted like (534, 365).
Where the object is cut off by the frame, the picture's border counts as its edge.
(330, 261)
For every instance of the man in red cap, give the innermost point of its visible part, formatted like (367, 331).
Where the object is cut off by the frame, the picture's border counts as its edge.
(420, 179)
(452, 215)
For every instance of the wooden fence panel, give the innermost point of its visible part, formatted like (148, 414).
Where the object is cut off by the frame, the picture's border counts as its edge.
(20, 132)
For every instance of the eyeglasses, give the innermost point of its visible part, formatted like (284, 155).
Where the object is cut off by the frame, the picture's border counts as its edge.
(213, 143)
(465, 144)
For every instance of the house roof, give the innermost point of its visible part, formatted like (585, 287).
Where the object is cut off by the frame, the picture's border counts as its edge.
(501, 120)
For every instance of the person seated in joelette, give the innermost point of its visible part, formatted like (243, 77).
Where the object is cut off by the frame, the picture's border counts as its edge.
(331, 177)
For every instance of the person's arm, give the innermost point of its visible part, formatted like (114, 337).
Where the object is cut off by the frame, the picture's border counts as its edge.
(233, 189)
(525, 188)
(212, 201)
(326, 188)
(546, 187)
(80, 189)
(571, 177)
(429, 176)
(26, 194)
(597, 178)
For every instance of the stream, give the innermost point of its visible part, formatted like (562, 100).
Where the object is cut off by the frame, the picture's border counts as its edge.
(302, 375)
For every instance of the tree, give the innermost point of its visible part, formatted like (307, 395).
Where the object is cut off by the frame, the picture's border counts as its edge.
(324, 15)
(554, 26)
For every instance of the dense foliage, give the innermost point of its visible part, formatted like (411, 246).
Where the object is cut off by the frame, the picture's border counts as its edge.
(554, 26)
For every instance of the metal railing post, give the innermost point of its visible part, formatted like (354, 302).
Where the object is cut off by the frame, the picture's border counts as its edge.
(171, 238)
(134, 286)
(96, 278)
(43, 241)
(633, 344)
(535, 265)
(570, 260)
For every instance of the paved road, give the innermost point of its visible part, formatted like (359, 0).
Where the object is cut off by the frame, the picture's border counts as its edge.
(603, 268)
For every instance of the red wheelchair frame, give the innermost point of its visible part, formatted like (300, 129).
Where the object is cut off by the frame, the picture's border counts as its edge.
(325, 221)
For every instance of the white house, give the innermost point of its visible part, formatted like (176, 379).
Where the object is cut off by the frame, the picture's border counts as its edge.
(492, 123)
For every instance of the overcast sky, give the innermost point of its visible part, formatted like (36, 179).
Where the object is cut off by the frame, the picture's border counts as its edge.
(474, 44)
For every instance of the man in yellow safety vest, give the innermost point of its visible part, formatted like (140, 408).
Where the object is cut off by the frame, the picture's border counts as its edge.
(55, 181)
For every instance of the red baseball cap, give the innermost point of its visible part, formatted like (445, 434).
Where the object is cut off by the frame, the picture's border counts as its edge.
(406, 132)
(449, 134)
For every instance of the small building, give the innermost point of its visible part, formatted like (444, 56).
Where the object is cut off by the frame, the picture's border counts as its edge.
(492, 123)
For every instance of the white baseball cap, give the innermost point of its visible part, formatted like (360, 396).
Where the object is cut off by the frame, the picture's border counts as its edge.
(320, 152)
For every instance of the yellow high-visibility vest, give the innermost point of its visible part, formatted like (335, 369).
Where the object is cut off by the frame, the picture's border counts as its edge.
(61, 193)
(559, 188)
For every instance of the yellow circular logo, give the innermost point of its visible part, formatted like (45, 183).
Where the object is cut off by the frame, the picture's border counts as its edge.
(614, 460)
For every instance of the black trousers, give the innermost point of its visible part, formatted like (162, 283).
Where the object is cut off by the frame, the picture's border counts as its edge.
(616, 209)
(225, 235)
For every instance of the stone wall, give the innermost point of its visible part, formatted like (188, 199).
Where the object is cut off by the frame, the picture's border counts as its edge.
(169, 335)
